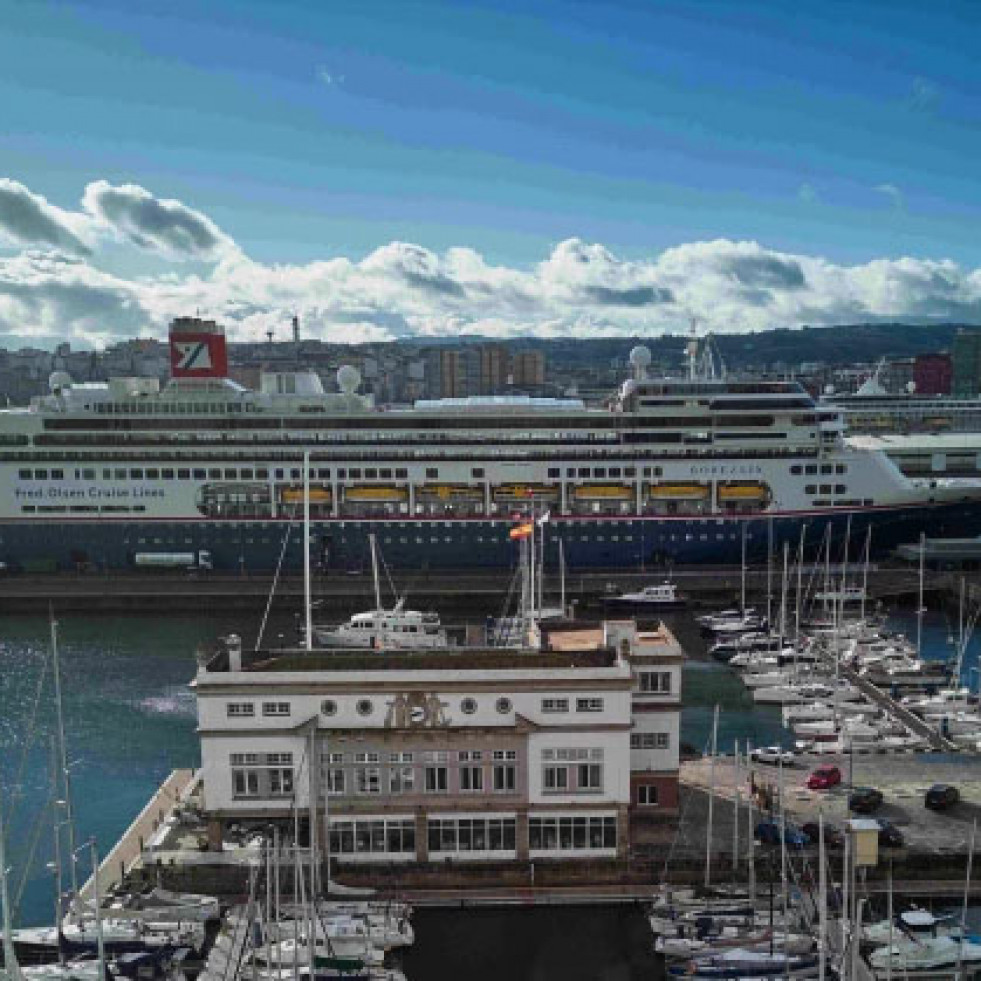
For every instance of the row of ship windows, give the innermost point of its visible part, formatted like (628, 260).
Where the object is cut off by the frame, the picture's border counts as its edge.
(824, 468)
(295, 473)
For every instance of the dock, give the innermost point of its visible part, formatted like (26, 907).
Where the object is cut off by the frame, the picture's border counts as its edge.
(126, 854)
(889, 705)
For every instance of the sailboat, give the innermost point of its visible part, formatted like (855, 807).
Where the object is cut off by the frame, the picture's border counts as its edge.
(394, 628)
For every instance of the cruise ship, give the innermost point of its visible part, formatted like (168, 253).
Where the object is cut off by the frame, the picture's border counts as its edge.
(669, 471)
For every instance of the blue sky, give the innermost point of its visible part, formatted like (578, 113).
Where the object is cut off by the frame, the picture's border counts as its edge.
(319, 129)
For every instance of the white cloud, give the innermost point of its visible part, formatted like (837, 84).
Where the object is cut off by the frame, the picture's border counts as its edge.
(328, 77)
(27, 219)
(403, 289)
(133, 214)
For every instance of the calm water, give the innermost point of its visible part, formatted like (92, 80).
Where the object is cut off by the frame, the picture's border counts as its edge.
(130, 720)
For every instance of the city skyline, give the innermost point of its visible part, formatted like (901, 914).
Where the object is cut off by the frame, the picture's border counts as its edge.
(435, 170)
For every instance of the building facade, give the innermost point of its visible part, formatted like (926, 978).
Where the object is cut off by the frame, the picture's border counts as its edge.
(468, 755)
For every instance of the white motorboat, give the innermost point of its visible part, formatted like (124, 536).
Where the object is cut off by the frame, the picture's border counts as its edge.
(956, 723)
(682, 948)
(766, 679)
(918, 924)
(929, 954)
(745, 964)
(944, 701)
(395, 628)
(661, 597)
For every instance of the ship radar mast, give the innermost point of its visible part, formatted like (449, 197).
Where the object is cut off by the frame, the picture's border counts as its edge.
(704, 360)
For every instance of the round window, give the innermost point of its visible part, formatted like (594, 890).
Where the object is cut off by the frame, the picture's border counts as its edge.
(328, 706)
(364, 707)
(468, 706)
(504, 705)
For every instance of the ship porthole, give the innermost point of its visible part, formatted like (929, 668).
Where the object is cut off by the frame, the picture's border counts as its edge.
(365, 707)
(503, 705)
(468, 706)
(328, 706)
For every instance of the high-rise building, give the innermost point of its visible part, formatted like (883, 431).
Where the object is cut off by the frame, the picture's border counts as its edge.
(493, 368)
(966, 358)
(528, 369)
(933, 374)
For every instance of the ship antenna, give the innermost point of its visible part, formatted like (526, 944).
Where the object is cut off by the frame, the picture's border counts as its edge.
(693, 350)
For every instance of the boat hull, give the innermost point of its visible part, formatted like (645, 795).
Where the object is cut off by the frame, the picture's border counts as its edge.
(641, 543)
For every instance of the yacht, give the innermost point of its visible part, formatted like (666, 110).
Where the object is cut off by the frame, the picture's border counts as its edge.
(662, 597)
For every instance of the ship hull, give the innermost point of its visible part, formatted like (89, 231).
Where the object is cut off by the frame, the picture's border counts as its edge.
(341, 545)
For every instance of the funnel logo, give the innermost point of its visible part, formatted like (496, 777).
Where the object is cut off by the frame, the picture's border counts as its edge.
(198, 355)
(193, 356)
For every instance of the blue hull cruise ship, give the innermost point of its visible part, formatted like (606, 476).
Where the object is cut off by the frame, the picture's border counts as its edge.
(205, 472)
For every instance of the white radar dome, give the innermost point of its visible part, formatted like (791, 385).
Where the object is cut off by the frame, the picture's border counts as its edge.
(640, 356)
(58, 381)
(348, 379)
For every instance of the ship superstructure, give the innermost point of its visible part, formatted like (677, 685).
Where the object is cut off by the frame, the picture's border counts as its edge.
(669, 470)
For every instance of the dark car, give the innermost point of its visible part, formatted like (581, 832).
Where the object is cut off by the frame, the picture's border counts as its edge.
(941, 796)
(768, 833)
(865, 800)
(833, 838)
(889, 835)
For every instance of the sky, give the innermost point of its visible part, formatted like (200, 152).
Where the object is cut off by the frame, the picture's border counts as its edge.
(431, 169)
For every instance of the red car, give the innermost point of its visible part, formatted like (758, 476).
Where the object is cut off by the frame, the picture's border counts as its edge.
(823, 778)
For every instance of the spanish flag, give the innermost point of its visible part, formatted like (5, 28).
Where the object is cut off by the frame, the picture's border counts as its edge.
(522, 531)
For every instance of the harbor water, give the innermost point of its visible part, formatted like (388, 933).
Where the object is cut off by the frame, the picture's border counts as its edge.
(130, 720)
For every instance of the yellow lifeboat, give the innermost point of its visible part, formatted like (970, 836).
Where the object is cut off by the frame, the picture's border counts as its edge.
(450, 492)
(361, 493)
(524, 492)
(605, 492)
(678, 492)
(294, 495)
(743, 492)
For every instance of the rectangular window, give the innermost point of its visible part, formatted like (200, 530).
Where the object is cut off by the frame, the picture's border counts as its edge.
(555, 778)
(590, 776)
(650, 740)
(401, 473)
(281, 782)
(402, 780)
(505, 778)
(183, 474)
(432, 473)
(471, 834)
(555, 705)
(136, 474)
(240, 710)
(382, 836)
(655, 682)
(471, 779)
(276, 708)
(477, 473)
(568, 833)
(151, 474)
(554, 472)
(589, 704)
(367, 780)
(199, 474)
(245, 783)
(335, 781)
(647, 795)
(436, 779)
(167, 473)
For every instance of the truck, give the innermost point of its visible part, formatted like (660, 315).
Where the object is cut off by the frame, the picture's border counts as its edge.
(173, 560)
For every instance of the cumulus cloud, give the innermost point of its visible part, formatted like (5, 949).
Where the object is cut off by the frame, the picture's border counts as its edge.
(155, 224)
(27, 219)
(403, 290)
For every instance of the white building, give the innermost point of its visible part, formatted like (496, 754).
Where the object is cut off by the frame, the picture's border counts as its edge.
(466, 755)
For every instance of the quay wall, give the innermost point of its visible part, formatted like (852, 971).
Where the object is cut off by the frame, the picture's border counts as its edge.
(479, 591)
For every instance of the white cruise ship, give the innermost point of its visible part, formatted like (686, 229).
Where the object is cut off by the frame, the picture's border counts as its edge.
(671, 470)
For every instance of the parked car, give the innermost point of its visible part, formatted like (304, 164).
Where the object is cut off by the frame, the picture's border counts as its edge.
(941, 796)
(824, 778)
(889, 835)
(776, 755)
(833, 837)
(865, 800)
(768, 833)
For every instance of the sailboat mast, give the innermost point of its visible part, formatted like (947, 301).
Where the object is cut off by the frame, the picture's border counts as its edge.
(373, 546)
(822, 902)
(9, 955)
(920, 607)
(99, 938)
(800, 575)
(711, 800)
(769, 571)
(307, 589)
(56, 828)
(562, 574)
(742, 572)
(865, 569)
(66, 780)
